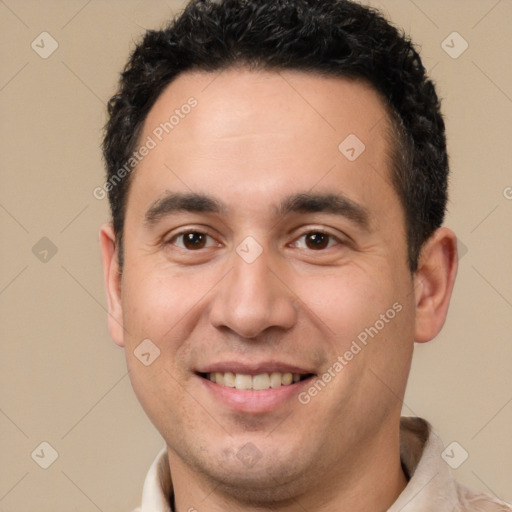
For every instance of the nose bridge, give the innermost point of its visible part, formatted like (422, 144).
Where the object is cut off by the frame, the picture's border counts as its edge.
(251, 298)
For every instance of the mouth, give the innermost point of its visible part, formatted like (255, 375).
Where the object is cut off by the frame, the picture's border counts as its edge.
(258, 382)
(254, 388)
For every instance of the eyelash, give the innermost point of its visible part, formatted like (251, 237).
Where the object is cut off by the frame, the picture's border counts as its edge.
(309, 232)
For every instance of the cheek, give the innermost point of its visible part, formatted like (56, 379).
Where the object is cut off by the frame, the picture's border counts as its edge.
(348, 302)
(163, 307)
(152, 306)
(159, 394)
(152, 311)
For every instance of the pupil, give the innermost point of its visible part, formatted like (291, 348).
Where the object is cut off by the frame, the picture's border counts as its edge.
(194, 240)
(317, 240)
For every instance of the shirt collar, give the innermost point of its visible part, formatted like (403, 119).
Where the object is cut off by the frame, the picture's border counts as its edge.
(157, 486)
(431, 485)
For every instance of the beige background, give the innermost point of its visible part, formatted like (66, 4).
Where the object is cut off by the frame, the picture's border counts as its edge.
(64, 382)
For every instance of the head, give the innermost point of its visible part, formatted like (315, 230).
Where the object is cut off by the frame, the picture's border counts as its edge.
(334, 38)
(287, 221)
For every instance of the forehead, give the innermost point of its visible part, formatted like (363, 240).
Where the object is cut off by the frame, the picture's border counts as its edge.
(260, 131)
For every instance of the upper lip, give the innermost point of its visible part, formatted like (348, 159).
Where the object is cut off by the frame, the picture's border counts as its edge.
(253, 368)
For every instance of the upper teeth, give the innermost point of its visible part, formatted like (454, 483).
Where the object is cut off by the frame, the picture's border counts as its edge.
(255, 382)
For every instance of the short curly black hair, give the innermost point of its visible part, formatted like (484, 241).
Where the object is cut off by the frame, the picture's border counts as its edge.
(329, 37)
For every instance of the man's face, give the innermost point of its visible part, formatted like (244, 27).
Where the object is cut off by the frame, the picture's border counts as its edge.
(297, 251)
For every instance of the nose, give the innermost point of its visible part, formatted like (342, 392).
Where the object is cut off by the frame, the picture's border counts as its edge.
(253, 298)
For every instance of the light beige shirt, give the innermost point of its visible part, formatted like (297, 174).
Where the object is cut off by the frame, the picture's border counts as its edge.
(431, 487)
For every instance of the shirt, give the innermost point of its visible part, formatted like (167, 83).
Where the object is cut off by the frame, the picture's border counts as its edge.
(430, 488)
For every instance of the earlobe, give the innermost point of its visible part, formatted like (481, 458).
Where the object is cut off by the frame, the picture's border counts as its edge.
(433, 283)
(112, 280)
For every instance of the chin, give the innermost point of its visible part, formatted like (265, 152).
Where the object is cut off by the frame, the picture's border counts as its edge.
(272, 475)
(265, 485)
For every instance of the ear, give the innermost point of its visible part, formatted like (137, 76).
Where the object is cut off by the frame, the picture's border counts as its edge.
(112, 279)
(433, 283)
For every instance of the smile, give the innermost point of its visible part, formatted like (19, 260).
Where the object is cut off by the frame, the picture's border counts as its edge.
(260, 382)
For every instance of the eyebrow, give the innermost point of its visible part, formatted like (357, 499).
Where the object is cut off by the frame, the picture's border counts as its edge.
(179, 202)
(326, 203)
(298, 203)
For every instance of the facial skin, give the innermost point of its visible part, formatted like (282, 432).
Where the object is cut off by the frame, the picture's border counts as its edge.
(254, 140)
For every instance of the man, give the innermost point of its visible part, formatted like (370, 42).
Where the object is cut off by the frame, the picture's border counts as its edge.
(277, 175)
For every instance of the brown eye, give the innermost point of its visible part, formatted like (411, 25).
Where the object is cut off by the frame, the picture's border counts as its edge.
(191, 240)
(317, 240)
(194, 240)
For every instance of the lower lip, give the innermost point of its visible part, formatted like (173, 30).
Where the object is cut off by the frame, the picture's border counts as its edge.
(255, 402)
